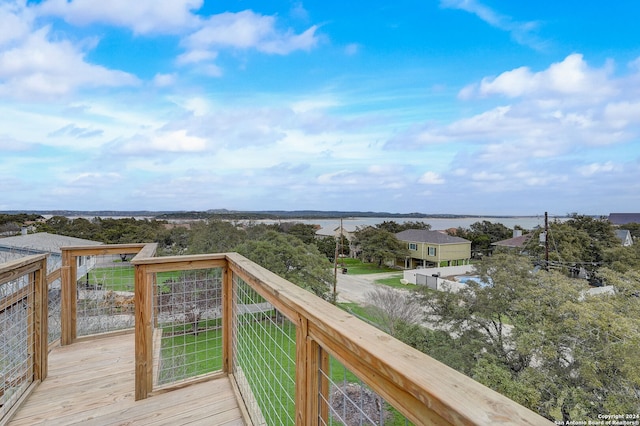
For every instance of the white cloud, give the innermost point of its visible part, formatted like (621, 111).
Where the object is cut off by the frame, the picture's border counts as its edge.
(550, 113)
(597, 168)
(154, 145)
(246, 30)
(164, 80)
(195, 56)
(313, 104)
(178, 141)
(91, 178)
(78, 132)
(42, 68)
(619, 115)
(522, 32)
(198, 106)
(16, 22)
(571, 77)
(431, 178)
(141, 16)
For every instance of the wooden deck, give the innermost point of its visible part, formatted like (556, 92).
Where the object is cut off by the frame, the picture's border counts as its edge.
(92, 383)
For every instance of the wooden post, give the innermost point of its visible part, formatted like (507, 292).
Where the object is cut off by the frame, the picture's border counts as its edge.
(316, 382)
(227, 319)
(156, 306)
(323, 385)
(73, 295)
(31, 324)
(303, 381)
(65, 299)
(40, 321)
(144, 334)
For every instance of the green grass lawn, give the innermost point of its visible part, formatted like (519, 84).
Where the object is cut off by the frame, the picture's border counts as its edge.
(267, 358)
(394, 281)
(356, 267)
(120, 278)
(355, 309)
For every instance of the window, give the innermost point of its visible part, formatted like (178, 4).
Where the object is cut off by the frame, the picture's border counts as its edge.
(432, 251)
(413, 246)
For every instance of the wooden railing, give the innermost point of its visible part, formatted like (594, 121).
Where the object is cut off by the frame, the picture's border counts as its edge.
(69, 285)
(424, 390)
(23, 322)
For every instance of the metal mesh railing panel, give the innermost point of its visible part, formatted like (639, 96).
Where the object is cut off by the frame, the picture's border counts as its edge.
(53, 321)
(188, 335)
(264, 352)
(105, 294)
(350, 402)
(16, 335)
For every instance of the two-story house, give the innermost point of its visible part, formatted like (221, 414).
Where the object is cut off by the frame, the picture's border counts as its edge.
(433, 248)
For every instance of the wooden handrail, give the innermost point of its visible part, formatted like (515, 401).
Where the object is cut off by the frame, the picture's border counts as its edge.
(68, 274)
(421, 388)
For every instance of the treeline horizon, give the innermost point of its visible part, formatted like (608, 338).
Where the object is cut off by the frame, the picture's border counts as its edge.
(255, 215)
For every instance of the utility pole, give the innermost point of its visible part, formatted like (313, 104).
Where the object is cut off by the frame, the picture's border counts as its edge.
(335, 262)
(546, 240)
(335, 271)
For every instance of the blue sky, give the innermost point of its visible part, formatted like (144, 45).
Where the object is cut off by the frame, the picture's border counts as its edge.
(432, 106)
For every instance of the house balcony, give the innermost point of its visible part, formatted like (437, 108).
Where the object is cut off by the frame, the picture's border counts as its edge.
(209, 339)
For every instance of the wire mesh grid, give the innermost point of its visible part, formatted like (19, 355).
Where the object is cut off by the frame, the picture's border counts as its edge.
(189, 324)
(16, 362)
(264, 350)
(53, 321)
(350, 402)
(105, 294)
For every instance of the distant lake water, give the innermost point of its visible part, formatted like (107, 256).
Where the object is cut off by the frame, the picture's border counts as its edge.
(437, 224)
(525, 222)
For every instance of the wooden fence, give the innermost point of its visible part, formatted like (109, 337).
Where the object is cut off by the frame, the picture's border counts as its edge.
(23, 325)
(422, 389)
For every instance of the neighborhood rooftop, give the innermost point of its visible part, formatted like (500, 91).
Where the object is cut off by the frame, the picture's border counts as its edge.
(424, 236)
(43, 242)
(624, 218)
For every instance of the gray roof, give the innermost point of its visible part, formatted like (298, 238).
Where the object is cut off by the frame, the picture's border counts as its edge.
(333, 230)
(43, 242)
(424, 236)
(624, 218)
(515, 242)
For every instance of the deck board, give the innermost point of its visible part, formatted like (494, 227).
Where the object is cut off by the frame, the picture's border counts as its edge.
(92, 383)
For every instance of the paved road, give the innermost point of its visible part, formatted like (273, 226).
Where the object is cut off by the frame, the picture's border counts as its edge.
(353, 288)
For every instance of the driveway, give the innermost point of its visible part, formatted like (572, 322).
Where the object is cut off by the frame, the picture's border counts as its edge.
(353, 288)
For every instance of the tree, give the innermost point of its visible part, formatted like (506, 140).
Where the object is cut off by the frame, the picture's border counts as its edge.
(544, 342)
(482, 235)
(622, 259)
(389, 308)
(290, 258)
(306, 233)
(601, 233)
(580, 242)
(215, 236)
(395, 227)
(328, 245)
(192, 296)
(379, 246)
(174, 241)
